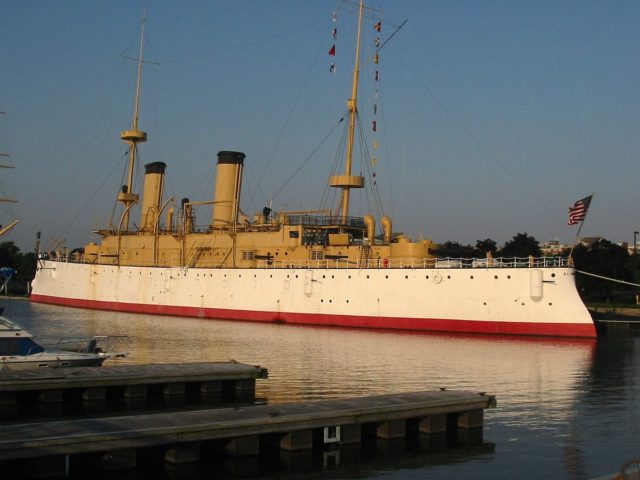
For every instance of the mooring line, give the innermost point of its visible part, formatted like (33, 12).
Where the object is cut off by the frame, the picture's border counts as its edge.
(608, 278)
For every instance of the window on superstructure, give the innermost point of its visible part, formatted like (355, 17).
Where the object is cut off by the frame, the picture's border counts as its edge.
(317, 254)
(247, 254)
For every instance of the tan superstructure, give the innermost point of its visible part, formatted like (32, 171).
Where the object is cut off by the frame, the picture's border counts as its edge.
(233, 239)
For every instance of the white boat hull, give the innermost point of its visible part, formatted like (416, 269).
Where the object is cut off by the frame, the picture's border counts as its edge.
(480, 300)
(49, 359)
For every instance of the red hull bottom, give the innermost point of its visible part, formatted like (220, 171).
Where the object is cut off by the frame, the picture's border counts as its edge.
(354, 321)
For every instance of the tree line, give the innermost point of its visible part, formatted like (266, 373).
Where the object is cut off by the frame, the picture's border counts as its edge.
(602, 257)
(24, 265)
(521, 245)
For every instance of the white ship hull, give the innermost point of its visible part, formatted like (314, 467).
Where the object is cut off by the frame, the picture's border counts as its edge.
(527, 301)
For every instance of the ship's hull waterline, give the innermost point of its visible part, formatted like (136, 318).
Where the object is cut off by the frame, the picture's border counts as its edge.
(525, 301)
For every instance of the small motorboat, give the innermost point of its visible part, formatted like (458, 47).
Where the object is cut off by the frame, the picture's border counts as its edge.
(19, 351)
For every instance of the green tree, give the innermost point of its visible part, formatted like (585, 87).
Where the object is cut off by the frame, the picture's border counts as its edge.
(26, 267)
(9, 255)
(606, 259)
(521, 245)
(24, 264)
(485, 246)
(454, 250)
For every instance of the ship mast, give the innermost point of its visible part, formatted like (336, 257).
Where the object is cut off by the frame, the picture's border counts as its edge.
(347, 181)
(6, 228)
(132, 137)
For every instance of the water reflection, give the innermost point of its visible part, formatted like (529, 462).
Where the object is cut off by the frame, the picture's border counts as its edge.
(308, 363)
(559, 401)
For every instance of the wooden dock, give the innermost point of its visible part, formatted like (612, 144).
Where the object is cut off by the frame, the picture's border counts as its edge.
(243, 431)
(616, 320)
(95, 384)
(629, 325)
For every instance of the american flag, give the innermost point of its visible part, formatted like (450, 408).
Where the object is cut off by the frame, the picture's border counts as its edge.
(579, 210)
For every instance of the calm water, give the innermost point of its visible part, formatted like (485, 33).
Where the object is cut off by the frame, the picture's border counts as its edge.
(566, 409)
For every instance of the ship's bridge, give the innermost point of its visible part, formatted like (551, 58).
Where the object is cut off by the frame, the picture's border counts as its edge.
(324, 221)
(328, 229)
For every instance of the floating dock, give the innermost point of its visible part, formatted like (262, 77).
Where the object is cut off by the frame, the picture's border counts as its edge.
(97, 384)
(186, 437)
(616, 320)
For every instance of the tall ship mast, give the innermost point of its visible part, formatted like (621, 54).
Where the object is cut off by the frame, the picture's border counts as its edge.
(132, 137)
(10, 226)
(305, 267)
(347, 181)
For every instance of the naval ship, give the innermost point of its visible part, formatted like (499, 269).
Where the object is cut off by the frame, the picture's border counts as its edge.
(322, 267)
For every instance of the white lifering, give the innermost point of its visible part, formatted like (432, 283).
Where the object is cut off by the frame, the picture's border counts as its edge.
(437, 278)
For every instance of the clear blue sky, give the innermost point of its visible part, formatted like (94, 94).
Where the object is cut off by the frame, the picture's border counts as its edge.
(494, 116)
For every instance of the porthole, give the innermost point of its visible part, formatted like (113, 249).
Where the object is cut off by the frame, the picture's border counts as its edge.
(406, 277)
(367, 276)
(427, 277)
(448, 276)
(495, 276)
(471, 277)
(508, 276)
(484, 303)
(550, 303)
(553, 275)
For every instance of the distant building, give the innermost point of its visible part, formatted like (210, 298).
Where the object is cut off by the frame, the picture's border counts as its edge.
(554, 247)
(629, 247)
(588, 241)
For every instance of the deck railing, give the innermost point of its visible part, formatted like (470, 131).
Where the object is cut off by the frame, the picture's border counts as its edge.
(445, 263)
(382, 263)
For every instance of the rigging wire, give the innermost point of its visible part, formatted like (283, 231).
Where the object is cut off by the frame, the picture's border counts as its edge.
(242, 46)
(206, 179)
(55, 220)
(607, 278)
(340, 152)
(387, 156)
(365, 162)
(289, 114)
(306, 160)
(115, 201)
(91, 197)
(251, 179)
(480, 145)
(368, 166)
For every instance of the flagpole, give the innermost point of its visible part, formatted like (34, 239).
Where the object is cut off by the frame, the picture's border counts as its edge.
(575, 242)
